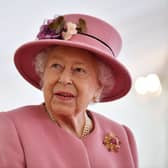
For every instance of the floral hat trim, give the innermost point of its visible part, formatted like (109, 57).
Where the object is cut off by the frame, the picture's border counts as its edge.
(58, 28)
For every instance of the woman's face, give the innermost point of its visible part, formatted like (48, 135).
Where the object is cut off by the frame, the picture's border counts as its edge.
(69, 81)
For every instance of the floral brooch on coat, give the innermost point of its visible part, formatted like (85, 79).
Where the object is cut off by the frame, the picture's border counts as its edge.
(112, 142)
(58, 28)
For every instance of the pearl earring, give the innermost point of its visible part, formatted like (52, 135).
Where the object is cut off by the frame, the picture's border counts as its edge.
(96, 99)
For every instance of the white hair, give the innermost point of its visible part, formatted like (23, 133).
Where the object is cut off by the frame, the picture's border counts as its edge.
(105, 74)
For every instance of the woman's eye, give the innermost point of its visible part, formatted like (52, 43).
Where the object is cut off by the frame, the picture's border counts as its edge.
(80, 70)
(56, 66)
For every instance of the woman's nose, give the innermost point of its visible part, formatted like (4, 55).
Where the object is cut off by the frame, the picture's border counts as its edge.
(65, 78)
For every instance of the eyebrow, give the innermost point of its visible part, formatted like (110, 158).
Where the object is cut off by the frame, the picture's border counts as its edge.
(76, 62)
(80, 63)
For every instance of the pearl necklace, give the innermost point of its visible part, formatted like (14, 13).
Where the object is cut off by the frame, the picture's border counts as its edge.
(87, 127)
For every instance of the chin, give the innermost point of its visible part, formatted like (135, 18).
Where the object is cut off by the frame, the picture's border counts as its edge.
(62, 109)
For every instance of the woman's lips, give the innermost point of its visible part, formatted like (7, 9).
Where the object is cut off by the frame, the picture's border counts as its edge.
(66, 96)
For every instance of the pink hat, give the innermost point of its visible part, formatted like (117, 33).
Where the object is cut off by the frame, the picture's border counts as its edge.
(81, 31)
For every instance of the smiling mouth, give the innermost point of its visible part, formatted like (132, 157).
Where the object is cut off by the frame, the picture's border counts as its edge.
(64, 95)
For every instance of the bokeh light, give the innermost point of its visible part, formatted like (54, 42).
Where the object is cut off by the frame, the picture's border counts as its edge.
(149, 84)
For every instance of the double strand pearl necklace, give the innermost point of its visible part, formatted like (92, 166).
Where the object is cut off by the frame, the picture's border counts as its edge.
(87, 127)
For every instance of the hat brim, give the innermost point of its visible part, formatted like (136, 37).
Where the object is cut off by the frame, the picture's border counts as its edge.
(24, 61)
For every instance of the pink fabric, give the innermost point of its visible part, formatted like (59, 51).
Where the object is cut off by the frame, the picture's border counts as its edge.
(25, 55)
(29, 139)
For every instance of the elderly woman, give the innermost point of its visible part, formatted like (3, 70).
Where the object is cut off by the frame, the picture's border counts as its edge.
(73, 61)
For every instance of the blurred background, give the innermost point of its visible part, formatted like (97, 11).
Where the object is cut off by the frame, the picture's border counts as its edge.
(143, 26)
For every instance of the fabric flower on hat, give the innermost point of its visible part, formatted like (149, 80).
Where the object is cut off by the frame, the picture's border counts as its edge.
(58, 28)
(71, 30)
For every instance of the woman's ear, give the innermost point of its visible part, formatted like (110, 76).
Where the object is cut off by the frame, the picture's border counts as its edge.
(97, 95)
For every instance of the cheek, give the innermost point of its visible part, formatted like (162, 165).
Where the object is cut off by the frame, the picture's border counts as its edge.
(49, 79)
(47, 92)
(48, 83)
(87, 90)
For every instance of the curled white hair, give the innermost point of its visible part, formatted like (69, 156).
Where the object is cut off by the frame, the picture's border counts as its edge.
(106, 78)
(40, 60)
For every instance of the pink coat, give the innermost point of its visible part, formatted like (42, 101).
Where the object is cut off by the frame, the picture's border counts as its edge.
(29, 139)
